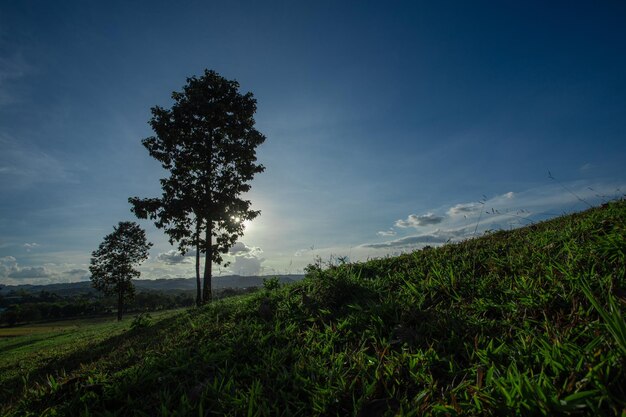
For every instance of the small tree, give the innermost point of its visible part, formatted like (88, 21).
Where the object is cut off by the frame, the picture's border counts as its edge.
(207, 141)
(113, 264)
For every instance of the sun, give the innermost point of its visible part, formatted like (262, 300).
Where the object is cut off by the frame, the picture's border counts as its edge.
(245, 223)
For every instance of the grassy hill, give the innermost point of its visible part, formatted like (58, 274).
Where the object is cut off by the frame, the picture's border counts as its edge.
(522, 322)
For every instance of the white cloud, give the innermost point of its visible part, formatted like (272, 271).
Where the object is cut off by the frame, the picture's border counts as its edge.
(408, 241)
(418, 221)
(464, 209)
(246, 265)
(173, 257)
(30, 246)
(7, 264)
(386, 233)
(79, 274)
(241, 249)
(247, 259)
(157, 270)
(302, 252)
(12, 273)
(29, 272)
(238, 248)
(244, 260)
(503, 211)
(436, 237)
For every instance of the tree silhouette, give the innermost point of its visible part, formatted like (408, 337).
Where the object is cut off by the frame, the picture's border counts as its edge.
(207, 141)
(112, 265)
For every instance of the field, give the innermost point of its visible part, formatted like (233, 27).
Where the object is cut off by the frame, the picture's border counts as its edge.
(30, 352)
(521, 322)
(49, 328)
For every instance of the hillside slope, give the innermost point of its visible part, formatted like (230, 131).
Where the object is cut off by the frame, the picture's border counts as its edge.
(522, 322)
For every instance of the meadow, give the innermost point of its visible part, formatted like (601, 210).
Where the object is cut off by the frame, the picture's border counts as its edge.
(522, 322)
(50, 327)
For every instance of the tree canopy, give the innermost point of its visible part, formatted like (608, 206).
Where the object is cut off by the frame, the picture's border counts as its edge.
(113, 264)
(207, 142)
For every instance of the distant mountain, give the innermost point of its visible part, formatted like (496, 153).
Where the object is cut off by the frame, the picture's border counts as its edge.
(228, 281)
(164, 284)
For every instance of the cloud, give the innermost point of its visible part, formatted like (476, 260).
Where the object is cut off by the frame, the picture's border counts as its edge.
(417, 221)
(12, 273)
(239, 248)
(503, 211)
(7, 264)
(408, 241)
(501, 201)
(30, 272)
(246, 265)
(173, 257)
(303, 252)
(247, 259)
(436, 237)
(30, 246)
(158, 270)
(80, 274)
(454, 225)
(464, 208)
(244, 260)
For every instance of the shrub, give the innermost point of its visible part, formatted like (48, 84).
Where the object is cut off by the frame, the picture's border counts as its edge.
(141, 320)
(271, 284)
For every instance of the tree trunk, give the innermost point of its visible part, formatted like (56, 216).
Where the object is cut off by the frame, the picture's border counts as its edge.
(208, 259)
(198, 285)
(120, 305)
(208, 241)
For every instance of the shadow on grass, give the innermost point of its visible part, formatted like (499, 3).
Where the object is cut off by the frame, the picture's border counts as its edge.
(140, 339)
(35, 339)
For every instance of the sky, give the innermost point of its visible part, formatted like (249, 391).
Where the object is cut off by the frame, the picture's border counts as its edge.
(389, 125)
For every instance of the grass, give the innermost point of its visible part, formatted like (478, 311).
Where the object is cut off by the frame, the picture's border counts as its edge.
(50, 327)
(36, 352)
(522, 322)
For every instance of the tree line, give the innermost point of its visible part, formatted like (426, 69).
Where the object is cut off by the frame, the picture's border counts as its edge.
(19, 307)
(23, 307)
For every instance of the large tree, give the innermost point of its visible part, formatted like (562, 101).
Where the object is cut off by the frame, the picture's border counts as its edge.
(113, 264)
(207, 142)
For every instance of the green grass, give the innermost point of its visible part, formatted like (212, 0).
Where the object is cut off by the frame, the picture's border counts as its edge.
(33, 353)
(50, 327)
(523, 322)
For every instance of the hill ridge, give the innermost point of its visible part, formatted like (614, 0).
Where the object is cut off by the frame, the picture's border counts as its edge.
(179, 283)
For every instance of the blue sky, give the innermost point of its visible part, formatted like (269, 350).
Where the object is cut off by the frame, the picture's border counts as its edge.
(389, 125)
